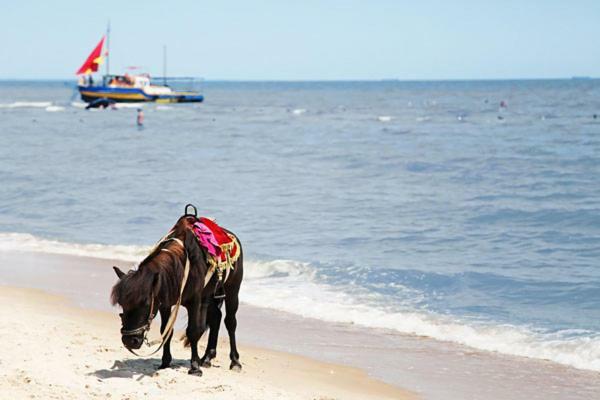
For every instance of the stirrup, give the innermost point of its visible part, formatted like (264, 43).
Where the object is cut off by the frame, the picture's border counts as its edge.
(219, 291)
(219, 294)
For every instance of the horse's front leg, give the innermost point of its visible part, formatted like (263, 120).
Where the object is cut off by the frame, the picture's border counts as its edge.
(194, 331)
(165, 313)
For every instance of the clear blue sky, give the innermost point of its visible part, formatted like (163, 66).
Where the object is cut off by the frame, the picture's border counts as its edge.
(256, 40)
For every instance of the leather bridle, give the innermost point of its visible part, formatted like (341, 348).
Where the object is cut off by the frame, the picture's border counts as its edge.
(144, 328)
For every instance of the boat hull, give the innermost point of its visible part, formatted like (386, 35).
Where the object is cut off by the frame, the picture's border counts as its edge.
(135, 95)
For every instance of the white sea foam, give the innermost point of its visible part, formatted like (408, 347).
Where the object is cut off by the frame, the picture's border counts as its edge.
(55, 108)
(26, 104)
(27, 242)
(295, 287)
(163, 108)
(78, 104)
(385, 118)
(129, 105)
(299, 111)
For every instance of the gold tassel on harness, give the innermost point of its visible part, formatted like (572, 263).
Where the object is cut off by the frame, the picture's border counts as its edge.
(223, 267)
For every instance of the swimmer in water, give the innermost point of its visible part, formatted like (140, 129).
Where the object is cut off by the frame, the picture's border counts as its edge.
(140, 117)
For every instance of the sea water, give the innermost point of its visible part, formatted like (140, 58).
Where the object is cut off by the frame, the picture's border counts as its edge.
(422, 208)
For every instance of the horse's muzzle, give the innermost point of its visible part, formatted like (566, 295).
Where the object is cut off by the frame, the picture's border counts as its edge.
(133, 342)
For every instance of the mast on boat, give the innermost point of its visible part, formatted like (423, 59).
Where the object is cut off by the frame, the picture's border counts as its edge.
(165, 64)
(108, 48)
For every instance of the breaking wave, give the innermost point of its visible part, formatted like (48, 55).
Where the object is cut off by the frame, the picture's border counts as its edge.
(129, 105)
(27, 104)
(295, 287)
(30, 243)
(55, 108)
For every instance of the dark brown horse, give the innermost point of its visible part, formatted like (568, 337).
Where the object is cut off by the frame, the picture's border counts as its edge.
(156, 284)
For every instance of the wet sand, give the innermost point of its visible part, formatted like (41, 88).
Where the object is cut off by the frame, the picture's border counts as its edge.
(433, 369)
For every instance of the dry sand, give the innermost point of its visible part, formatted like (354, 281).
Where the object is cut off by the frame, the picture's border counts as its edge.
(52, 350)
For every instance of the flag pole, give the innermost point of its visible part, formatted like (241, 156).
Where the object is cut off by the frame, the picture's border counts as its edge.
(108, 48)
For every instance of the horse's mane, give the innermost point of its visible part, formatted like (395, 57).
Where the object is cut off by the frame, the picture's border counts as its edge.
(159, 273)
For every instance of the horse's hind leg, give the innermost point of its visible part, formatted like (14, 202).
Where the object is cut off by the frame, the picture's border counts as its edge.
(231, 307)
(214, 322)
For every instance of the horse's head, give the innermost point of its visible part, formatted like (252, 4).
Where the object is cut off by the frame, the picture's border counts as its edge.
(136, 293)
(156, 282)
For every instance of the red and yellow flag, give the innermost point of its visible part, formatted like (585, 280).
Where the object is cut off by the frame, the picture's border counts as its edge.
(93, 61)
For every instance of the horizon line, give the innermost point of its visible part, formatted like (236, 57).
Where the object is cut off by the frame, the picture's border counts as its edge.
(371, 80)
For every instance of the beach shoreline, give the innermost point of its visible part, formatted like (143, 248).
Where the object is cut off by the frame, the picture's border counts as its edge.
(432, 369)
(52, 349)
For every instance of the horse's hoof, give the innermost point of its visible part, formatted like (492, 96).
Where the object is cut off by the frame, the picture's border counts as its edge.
(235, 366)
(164, 366)
(195, 372)
(205, 363)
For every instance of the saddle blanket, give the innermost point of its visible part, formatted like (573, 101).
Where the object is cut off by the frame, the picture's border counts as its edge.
(222, 247)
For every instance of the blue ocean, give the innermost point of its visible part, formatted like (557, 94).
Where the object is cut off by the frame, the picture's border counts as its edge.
(424, 208)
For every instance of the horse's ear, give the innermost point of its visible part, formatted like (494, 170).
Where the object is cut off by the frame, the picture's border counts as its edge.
(119, 273)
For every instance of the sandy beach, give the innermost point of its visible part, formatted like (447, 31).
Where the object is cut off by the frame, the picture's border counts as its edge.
(53, 350)
(60, 334)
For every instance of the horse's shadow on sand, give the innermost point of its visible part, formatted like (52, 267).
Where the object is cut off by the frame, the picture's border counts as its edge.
(135, 368)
